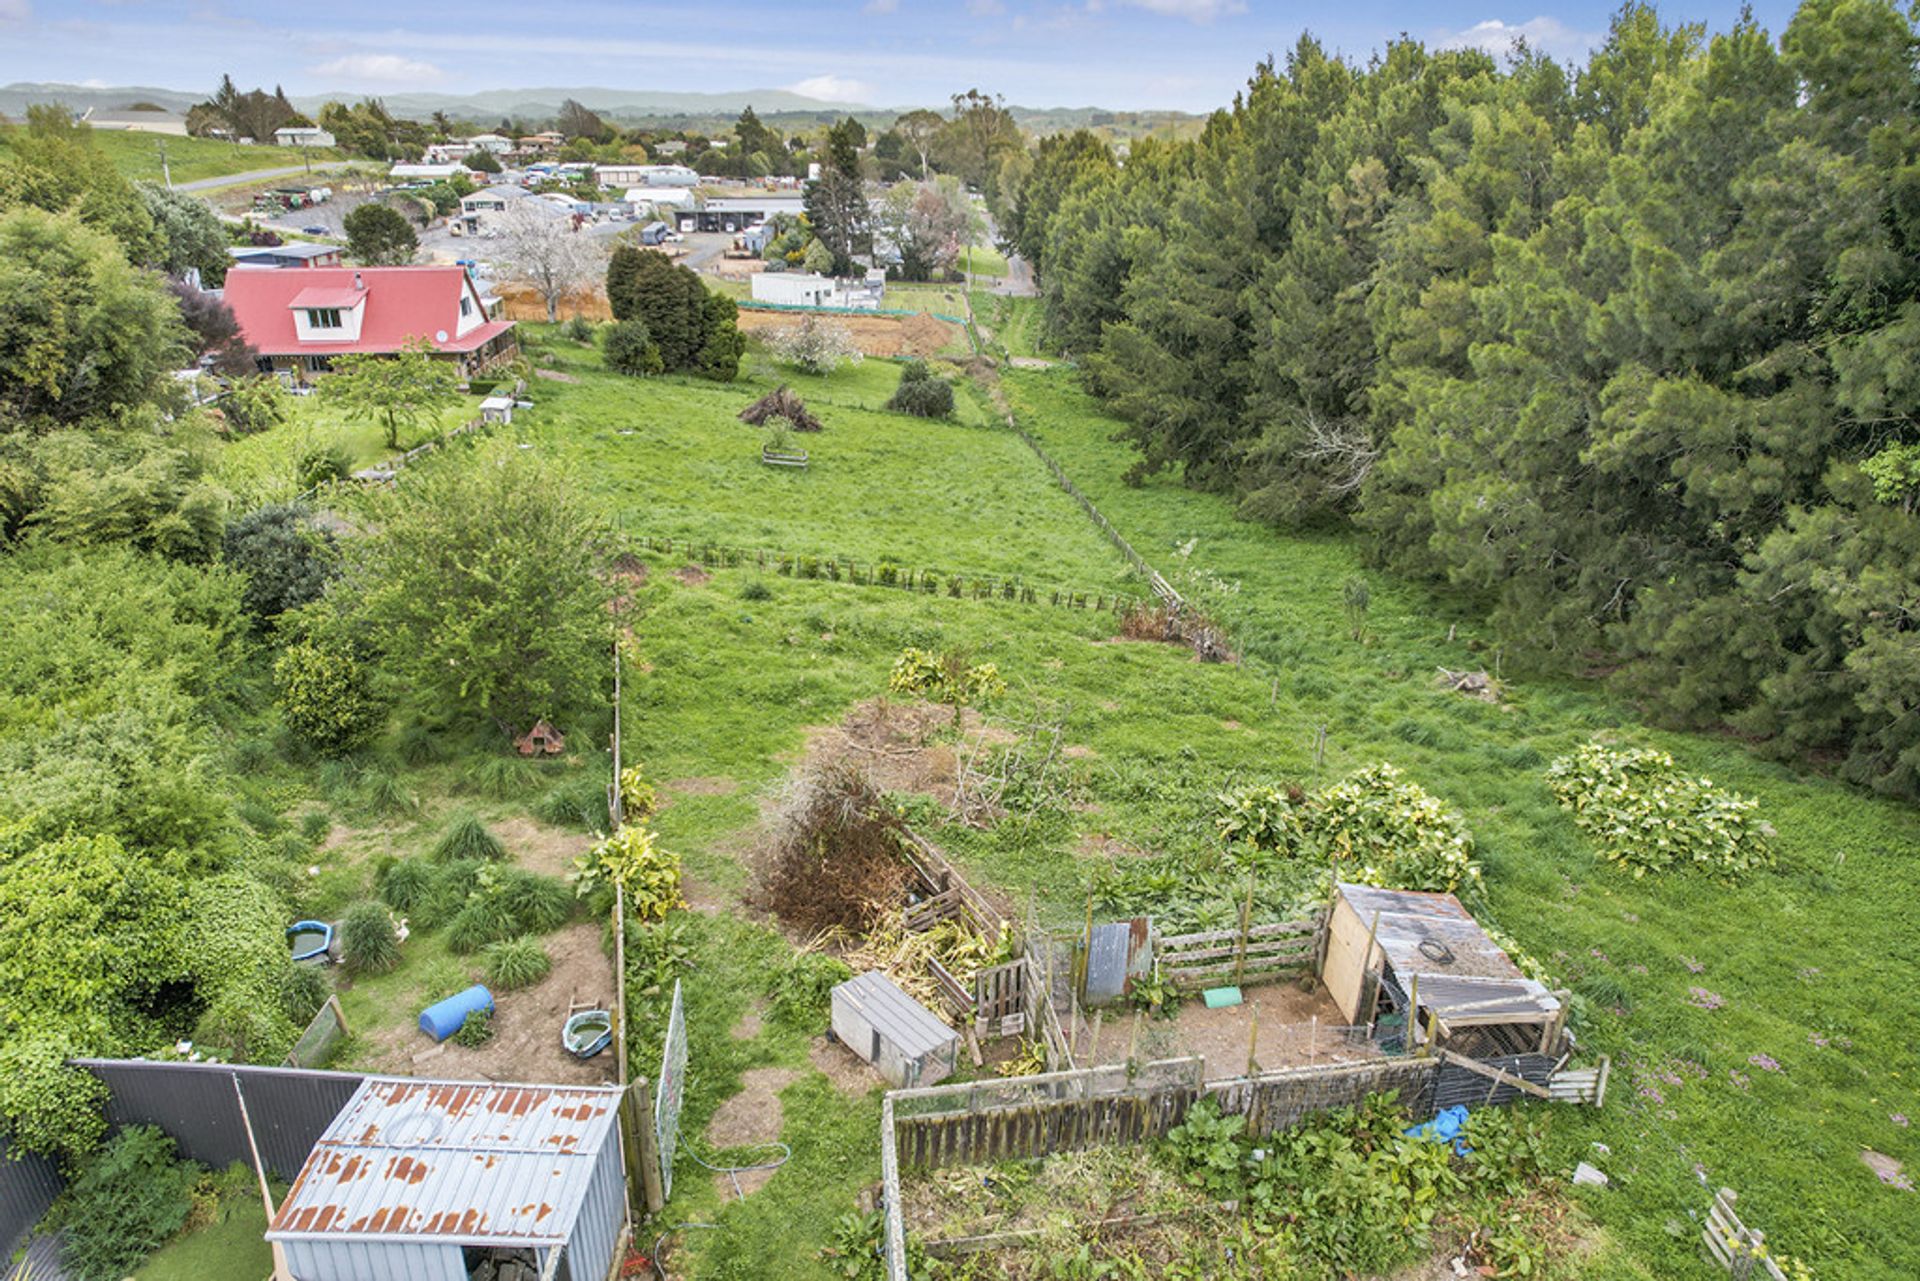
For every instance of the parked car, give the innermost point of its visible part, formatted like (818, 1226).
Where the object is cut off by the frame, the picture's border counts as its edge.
(316, 231)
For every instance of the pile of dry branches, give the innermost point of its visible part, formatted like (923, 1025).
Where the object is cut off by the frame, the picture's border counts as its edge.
(833, 861)
(781, 402)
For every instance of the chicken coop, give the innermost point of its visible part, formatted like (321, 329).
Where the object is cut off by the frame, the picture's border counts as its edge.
(905, 1041)
(1418, 970)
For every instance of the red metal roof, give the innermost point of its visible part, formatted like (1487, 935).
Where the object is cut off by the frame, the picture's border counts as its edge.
(323, 296)
(402, 304)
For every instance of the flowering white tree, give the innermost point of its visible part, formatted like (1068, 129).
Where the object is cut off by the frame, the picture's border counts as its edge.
(541, 249)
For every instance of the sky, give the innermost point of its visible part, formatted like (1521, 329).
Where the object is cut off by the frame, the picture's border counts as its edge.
(1183, 54)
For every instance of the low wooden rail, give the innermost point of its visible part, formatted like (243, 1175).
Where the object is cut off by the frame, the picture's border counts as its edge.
(941, 877)
(1263, 952)
(1733, 1245)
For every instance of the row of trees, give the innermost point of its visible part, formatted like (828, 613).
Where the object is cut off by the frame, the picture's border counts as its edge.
(1625, 354)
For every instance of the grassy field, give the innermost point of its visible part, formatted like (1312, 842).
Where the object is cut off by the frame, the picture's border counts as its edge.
(670, 457)
(137, 155)
(983, 260)
(739, 669)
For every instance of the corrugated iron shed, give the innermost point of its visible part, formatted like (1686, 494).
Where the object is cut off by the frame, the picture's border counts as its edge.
(1463, 975)
(451, 1162)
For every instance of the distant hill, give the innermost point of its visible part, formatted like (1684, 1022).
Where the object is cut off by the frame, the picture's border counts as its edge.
(662, 108)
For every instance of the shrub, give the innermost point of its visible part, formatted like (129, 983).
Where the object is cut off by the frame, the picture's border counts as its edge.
(1377, 829)
(945, 678)
(467, 837)
(755, 590)
(368, 944)
(818, 345)
(287, 558)
(1260, 820)
(921, 393)
(128, 1202)
(504, 903)
(637, 799)
(516, 962)
(629, 349)
(580, 330)
(315, 825)
(475, 1030)
(802, 987)
(633, 859)
(1646, 815)
(581, 803)
(323, 464)
(497, 776)
(326, 695)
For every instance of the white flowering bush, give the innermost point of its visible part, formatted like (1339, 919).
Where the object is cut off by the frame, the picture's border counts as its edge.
(1647, 815)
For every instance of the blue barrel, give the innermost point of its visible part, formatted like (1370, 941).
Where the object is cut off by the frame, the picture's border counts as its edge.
(443, 1019)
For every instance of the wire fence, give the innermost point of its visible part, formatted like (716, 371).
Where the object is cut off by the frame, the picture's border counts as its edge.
(952, 583)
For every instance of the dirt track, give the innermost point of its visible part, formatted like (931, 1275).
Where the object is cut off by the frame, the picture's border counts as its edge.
(883, 336)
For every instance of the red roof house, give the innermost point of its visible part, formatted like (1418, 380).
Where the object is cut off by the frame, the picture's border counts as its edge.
(298, 320)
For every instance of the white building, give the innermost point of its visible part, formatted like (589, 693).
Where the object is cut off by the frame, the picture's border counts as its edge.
(480, 208)
(157, 121)
(806, 289)
(492, 143)
(645, 176)
(302, 136)
(659, 197)
(422, 174)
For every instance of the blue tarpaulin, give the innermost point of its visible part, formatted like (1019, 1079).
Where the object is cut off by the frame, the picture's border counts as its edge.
(1446, 1127)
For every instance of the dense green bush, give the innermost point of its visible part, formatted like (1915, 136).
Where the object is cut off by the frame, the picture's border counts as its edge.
(466, 837)
(1378, 829)
(506, 902)
(802, 987)
(580, 802)
(475, 1030)
(128, 1201)
(287, 558)
(368, 944)
(629, 349)
(579, 329)
(408, 884)
(327, 695)
(921, 392)
(1647, 815)
(516, 962)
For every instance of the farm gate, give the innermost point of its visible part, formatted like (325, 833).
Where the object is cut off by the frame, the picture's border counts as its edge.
(673, 1089)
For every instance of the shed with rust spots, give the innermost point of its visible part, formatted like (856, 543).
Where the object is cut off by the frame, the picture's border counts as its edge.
(427, 1180)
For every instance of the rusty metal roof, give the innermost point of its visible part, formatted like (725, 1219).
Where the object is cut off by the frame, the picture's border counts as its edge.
(1464, 976)
(451, 1162)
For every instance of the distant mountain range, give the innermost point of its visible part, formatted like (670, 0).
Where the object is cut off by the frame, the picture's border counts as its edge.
(675, 110)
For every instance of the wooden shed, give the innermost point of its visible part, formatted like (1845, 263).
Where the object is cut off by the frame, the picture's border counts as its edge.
(1422, 962)
(906, 1042)
(542, 740)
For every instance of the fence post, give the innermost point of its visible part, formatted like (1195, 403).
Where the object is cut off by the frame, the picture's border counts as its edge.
(641, 1148)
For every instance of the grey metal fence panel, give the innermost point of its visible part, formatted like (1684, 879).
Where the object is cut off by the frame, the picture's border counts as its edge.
(28, 1185)
(196, 1105)
(1113, 953)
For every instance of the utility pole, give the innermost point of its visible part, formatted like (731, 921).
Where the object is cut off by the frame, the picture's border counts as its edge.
(165, 172)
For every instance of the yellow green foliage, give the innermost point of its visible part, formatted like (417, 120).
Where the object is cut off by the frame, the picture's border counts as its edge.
(1646, 815)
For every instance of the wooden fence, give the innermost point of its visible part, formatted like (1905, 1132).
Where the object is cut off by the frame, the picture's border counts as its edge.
(942, 880)
(1011, 1000)
(957, 584)
(1733, 1245)
(1257, 954)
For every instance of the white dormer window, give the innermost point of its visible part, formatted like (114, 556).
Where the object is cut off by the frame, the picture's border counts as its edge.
(323, 318)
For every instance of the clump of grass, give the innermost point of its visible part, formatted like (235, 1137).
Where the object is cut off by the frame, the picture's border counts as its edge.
(475, 1030)
(497, 776)
(466, 837)
(418, 745)
(315, 825)
(581, 802)
(756, 590)
(368, 944)
(506, 903)
(516, 962)
(383, 792)
(408, 885)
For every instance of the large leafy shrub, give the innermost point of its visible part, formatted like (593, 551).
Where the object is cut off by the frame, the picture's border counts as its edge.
(921, 392)
(327, 695)
(1647, 815)
(128, 1202)
(630, 349)
(633, 859)
(1378, 829)
(945, 678)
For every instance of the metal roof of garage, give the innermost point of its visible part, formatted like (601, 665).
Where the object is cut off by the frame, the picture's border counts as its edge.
(1464, 976)
(451, 1163)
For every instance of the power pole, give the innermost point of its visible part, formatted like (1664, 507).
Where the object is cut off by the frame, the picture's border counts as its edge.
(165, 172)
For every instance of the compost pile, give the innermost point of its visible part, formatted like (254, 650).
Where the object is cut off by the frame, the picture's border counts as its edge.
(833, 862)
(781, 402)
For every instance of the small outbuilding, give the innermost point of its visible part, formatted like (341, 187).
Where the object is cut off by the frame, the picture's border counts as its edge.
(444, 1180)
(904, 1040)
(1421, 962)
(497, 409)
(542, 740)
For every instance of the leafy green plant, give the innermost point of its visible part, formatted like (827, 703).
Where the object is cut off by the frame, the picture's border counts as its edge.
(1378, 829)
(516, 962)
(1261, 819)
(802, 987)
(1647, 816)
(637, 799)
(408, 884)
(466, 837)
(127, 1202)
(475, 1030)
(1155, 994)
(944, 678)
(1207, 1149)
(633, 859)
(368, 944)
(326, 694)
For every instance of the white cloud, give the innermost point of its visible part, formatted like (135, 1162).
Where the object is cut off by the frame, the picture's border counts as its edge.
(1191, 10)
(833, 89)
(880, 6)
(1546, 35)
(15, 10)
(385, 68)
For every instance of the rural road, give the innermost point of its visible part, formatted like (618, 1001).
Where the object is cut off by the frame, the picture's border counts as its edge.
(257, 175)
(1019, 281)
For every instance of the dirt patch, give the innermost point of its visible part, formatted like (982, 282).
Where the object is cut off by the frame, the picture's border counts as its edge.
(886, 336)
(749, 1023)
(750, 1118)
(850, 1074)
(526, 1025)
(541, 848)
(1098, 845)
(1077, 751)
(1887, 1169)
(693, 576)
(896, 744)
(708, 900)
(1289, 1032)
(555, 375)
